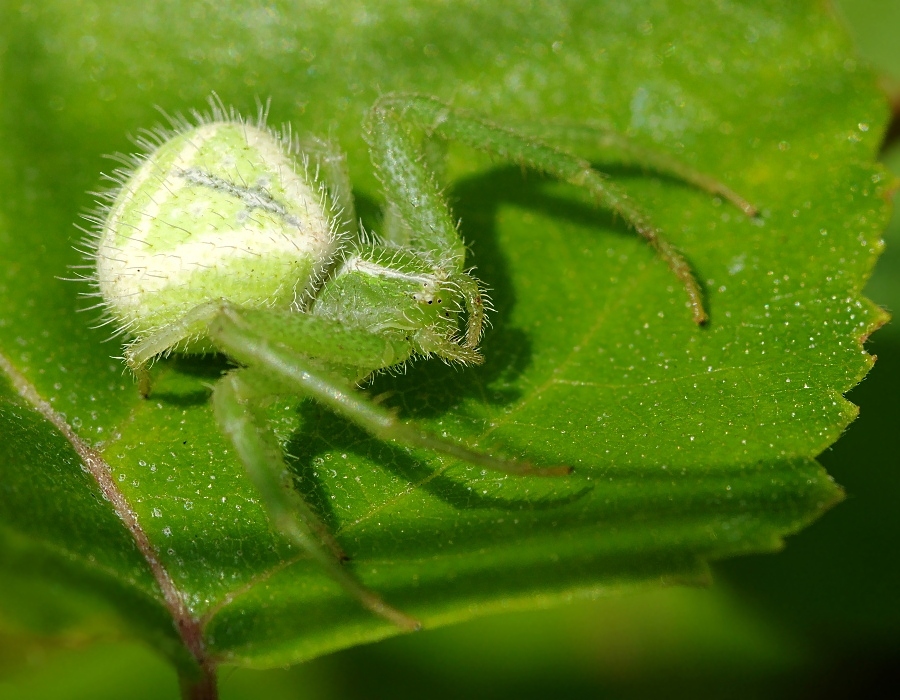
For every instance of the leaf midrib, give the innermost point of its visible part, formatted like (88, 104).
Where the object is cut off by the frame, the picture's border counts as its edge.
(172, 599)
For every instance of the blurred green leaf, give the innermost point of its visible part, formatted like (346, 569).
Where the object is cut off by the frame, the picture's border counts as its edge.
(690, 444)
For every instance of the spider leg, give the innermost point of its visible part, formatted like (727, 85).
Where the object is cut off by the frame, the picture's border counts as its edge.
(600, 140)
(308, 334)
(394, 228)
(291, 369)
(333, 162)
(165, 339)
(411, 189)
(235, 401)
(417, 214)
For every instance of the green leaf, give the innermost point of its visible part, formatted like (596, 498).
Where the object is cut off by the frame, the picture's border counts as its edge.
(689, 444)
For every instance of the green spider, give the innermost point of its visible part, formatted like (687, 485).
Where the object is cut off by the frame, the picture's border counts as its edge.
(223, 238)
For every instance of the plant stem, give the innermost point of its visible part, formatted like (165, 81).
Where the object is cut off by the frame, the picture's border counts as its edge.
(199, 686)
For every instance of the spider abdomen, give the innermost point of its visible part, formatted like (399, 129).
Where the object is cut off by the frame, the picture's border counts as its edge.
(218, 211)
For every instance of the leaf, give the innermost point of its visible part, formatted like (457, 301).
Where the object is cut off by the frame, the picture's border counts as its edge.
(690, 444)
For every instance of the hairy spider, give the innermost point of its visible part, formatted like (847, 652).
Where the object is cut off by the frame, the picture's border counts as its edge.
(223, 238)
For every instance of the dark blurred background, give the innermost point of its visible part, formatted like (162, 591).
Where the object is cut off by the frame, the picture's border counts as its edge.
(819, 620)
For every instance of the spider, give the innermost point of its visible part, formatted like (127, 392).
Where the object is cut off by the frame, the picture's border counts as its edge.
(225, 237)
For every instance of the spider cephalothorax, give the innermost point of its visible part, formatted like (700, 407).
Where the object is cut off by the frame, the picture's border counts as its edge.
(391, 290)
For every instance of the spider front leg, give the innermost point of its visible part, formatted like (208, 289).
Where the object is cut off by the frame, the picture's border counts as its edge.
(291, 367)
(277, 368)
(391, 142)
(600, 141)
(236, 401)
